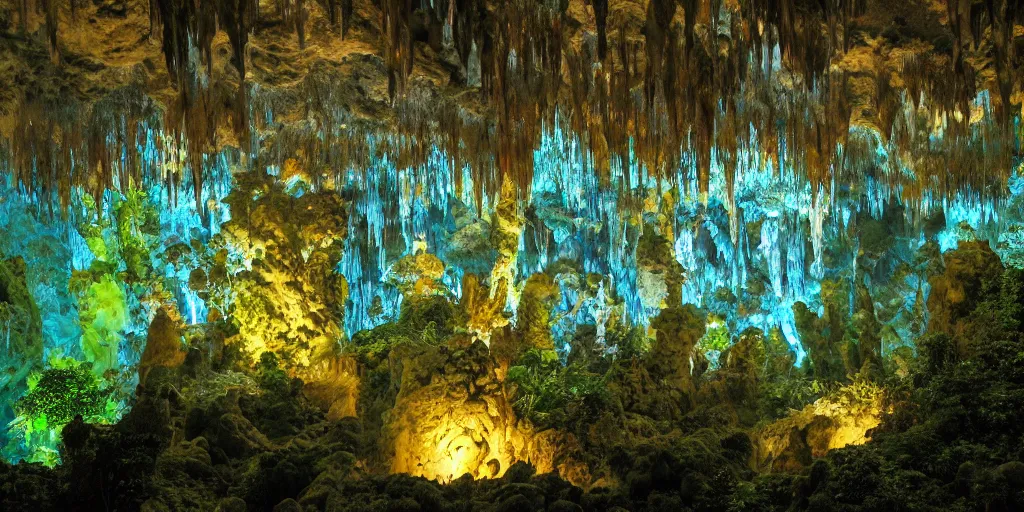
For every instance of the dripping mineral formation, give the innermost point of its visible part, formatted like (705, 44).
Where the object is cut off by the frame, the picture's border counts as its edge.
(511, 255)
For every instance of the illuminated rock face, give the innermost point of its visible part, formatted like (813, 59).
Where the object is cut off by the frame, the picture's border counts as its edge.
(841, 419)
(333, 384)
(163, 344)
(290, 301)
(452, 421)
(452, 417)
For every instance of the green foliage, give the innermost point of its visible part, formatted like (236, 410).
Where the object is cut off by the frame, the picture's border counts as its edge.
(60, 394)
(55, 396)
(270, 376)
(421, 312)
(779, 396)
(103, 314)
(550, 394)
(377, 342)
(629, 341)
(715, 340)
(952, 440)
(428, 320)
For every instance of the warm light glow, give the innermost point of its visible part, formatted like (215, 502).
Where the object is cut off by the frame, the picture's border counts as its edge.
(463, 444)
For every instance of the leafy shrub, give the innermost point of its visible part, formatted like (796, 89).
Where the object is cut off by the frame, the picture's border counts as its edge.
(55, 397)
(549, 394)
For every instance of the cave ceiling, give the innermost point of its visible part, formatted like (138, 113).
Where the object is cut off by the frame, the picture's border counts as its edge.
(808, 86)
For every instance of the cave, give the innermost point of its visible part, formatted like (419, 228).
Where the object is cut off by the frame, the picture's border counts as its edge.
(511, 255)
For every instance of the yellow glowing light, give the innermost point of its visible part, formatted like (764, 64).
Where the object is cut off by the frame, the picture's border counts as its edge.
(468, 440)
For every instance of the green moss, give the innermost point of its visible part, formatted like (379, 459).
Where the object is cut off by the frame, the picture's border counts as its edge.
(424, 320)
(61, 394)
(270, 376)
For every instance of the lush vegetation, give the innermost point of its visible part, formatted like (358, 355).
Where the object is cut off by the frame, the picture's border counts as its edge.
(56, 396)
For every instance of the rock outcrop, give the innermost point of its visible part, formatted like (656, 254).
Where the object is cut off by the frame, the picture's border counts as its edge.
(843, 418)
(453, 417)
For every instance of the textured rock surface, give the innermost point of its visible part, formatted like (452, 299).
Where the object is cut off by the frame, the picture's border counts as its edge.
(21, 332)
(447, 74)
(163, 344)
(453, 417)
(843, 419)
(967, 269)
(674, 362)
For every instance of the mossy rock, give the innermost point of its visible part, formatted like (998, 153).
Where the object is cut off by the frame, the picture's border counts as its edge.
(18, 306)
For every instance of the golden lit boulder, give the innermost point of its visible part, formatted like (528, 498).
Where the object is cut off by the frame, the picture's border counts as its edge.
(844, 417)
(333, 384)
(164, 347)
(291, 301)
(452, 417)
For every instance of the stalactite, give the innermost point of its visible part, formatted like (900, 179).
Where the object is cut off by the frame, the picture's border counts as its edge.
(347, 12)
(689, 89)
(601, 18)
(333, 11)
(52, 25)
(154, 16)
(23, 10)
(238, 17)
(398, 44)
(178, 19)
(301, 14)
